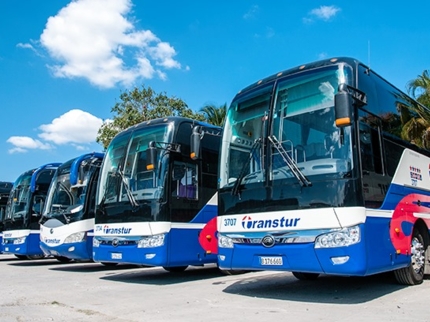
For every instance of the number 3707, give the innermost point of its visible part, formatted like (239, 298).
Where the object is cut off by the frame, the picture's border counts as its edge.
(230, 222)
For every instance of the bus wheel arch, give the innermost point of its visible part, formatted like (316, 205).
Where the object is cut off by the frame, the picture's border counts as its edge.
(414, 273)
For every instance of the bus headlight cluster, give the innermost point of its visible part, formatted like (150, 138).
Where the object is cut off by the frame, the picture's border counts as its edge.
(339, 238)
(225, 242)
(19, 240)
(75, 238)
(151, 241)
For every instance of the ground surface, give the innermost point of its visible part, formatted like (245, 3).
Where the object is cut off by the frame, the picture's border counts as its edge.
(45, 290)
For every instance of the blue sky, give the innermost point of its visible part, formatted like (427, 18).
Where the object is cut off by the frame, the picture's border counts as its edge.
(63, 64)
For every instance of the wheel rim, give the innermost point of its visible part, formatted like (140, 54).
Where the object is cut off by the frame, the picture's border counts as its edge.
(417, 255)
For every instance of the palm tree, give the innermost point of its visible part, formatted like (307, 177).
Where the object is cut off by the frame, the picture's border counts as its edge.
(214, 115)
(421, 84)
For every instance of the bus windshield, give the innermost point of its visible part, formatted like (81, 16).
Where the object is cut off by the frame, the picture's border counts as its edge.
(65, 200)
(294, 139)
(19, 201)
(124, 176)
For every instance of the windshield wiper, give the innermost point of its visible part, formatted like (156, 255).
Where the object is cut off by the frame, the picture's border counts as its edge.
(238, 181)
(130, 196)
(290, 162)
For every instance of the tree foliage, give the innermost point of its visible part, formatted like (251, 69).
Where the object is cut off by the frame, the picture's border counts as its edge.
(139, 105)
(214, 115)
(419, 88)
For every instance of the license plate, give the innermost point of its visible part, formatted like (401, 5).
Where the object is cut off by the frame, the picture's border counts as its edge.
(271, 260)
(116, 255)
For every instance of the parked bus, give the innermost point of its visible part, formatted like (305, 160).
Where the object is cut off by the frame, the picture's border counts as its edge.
(5, 188)
(67, 223)
(325, 169)
(155, 194)
(23, 211)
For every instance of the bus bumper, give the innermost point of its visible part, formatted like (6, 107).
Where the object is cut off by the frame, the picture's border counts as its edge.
(76, 251)
(350, 261)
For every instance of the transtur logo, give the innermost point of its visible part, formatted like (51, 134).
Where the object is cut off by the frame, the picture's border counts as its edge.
(116, 231)
(248, 223)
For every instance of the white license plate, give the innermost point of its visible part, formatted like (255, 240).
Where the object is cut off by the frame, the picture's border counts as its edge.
(271, 260)
(116, 255)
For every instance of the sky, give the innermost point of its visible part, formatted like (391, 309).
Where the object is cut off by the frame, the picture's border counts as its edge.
(64, 64)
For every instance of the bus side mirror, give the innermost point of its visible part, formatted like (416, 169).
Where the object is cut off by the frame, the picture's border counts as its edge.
(195, 143)
(151, 156)
(343, 108)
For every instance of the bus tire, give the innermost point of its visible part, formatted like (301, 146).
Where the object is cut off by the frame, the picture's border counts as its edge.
(108, 264)
(232, 272)
(62, 259)
(414, 273)
(38, 256)
(21, 256)
(306, 276)
(175, 269)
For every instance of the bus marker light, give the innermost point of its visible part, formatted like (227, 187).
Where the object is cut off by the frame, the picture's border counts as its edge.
(209, 237)
(208, 252)
(398, 251)
(150, 167)
(193, 155)
(397, 230)
(343, 121)
(149, 256)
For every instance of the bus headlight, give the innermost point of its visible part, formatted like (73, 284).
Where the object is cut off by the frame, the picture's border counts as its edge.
(339, 238)
(151, 241)
(19, 240)
(225, 242)
(75, 238)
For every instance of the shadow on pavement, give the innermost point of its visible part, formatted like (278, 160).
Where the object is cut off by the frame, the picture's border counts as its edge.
(159, 276)
(325, 289)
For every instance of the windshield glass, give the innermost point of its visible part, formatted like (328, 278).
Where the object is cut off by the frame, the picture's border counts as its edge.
(303, 140)
(125, 177)
(242, 148)
(63, 197)
(304, 126)
(20, 197)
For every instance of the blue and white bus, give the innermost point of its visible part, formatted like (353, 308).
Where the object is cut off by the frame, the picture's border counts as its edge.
(67, 223)
(5, 188)
(325, 169)
(24, 208)
(155, 195)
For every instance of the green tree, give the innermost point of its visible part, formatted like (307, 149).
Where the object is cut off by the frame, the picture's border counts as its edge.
(139, 105)
(419, 88)
(214, 115)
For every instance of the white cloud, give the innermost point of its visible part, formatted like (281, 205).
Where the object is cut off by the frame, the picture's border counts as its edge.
(94, 39)
(322, 13)
(252, 12)
(24, 143)
(74, 127)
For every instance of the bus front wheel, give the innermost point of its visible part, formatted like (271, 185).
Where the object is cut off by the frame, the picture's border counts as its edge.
(414, 273)
(62, 259)
(305, 276)
(175, 269)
